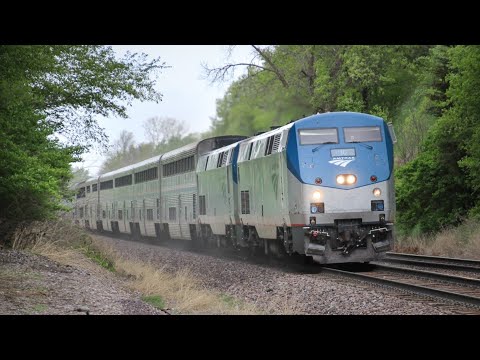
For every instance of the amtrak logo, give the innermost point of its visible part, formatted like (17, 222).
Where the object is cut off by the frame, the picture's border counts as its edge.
(342, 161)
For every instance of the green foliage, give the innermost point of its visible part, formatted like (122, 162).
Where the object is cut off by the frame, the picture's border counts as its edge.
(79, 174)
(155, 300)
(33, 167)
(80, 82)
(313, 78)
(92, 253)
(441, 187)
(464, 115)
(230, 301)
(430, 93)
(40, 308)
(52, 92)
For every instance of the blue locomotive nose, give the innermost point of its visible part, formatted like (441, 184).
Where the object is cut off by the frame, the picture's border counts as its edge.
(336, 147)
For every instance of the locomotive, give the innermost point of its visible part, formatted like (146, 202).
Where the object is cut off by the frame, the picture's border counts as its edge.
(320, 187)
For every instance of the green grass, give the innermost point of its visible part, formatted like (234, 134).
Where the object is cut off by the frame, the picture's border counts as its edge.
(155, 300)
(230, 300)
(40, 308)
(35, 276)
(98, 257)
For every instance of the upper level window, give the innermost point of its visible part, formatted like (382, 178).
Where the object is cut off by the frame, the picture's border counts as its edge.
(123, 181)
(318, 136)
(362, 134)
(104, 185)
(146, 175)
(179, 166)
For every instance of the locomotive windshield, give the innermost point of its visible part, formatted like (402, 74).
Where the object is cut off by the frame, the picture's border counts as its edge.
(318, 136)
(362, 134)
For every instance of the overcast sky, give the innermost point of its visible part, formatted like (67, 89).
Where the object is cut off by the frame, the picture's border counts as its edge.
(186, 95)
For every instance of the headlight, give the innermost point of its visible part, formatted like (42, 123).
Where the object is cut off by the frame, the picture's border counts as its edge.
(351, 179)
(377, 192)
(346, 179)
(317, 195)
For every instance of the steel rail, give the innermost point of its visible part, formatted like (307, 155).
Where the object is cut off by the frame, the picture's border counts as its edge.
(419, 289)
(430, 275)
(435, 258)
(434, 261)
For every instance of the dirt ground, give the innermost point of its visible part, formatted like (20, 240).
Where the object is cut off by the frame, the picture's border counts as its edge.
(32, 284)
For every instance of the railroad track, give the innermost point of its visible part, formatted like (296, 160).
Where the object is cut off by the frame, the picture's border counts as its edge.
(463, 290)
(429, 285)
(438, 262)
(439, 286)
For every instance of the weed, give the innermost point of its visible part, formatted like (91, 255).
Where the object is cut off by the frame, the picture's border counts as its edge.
(98, 257)
(179, 290)
(154, 300)
(68, 244)
(40, 308)
(462, 241)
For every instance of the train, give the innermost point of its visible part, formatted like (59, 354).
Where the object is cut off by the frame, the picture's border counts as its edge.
(320, 187)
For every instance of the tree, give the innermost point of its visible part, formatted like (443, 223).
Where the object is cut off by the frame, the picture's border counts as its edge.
(79, 174)
(285, 82)
(164, 133)
(124, 142)
(440, 187)
(48, 92)
(160, 130)
(262, 60)
(79, 82)
(123, 152)
(430, 93)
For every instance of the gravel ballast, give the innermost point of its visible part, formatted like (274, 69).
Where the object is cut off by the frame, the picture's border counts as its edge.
(33, 284)
(275, 290)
